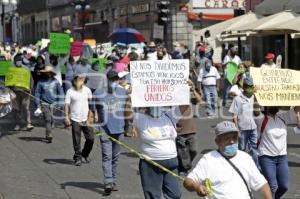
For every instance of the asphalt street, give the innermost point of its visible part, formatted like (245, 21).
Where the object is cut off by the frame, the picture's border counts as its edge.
(30, 168)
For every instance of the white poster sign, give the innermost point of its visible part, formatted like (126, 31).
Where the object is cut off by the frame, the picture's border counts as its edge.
(219, 4)
(160, 83)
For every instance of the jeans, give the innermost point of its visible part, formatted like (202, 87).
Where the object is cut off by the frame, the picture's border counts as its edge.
(226, 89)
(76, 136)
(155, 181)
(110, 157)
(276, 171)
(23, 103)
(248, 142)
(47, 110)
(211, 96)
(187, 151)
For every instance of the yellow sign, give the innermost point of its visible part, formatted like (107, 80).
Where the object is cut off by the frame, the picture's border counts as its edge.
(90, 42)
(276, 87)
(18, 77)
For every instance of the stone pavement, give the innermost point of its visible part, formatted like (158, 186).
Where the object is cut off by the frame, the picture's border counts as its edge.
(30, 168)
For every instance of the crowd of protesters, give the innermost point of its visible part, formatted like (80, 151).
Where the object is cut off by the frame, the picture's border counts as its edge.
(87, 96)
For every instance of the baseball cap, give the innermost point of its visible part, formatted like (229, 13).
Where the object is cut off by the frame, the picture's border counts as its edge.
(270, 56)
(225, 127)
(201, 49)
(248, 81)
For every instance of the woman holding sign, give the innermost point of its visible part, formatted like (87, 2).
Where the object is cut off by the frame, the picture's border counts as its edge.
(272, 146)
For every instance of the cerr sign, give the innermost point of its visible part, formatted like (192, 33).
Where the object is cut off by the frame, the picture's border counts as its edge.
(219, 4)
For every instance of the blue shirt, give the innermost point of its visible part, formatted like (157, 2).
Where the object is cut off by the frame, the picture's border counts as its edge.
(110, 108)
(48, 92)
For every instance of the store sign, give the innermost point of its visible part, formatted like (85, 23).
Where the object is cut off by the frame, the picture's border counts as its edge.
(219, 4)
(142, 8)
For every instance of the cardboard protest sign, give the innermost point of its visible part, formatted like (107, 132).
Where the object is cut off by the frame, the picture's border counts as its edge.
(59, 43)
(160, 83)
(18, 77)
(76, 48)
(276, 87)
(102, 63)
(90, 42)
(4, 66)
(232, 69)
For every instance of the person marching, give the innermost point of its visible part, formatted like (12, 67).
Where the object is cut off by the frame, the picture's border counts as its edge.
(48, 94)
(272, 146)
(80, 118)
(209, 80)
(227, 173)
(242, 111)
(22, 98)
(109, 105)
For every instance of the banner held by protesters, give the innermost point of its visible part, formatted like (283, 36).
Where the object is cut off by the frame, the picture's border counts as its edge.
(160, 83)
(276, 87)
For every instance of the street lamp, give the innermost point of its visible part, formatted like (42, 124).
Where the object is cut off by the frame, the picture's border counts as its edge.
(4, 3)
(82, 6)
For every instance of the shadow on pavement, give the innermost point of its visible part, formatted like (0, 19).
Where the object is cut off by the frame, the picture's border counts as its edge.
(130, 155)
(294, 164)
(33, 139)
(91, 186)
(59, 161)
(293, 145)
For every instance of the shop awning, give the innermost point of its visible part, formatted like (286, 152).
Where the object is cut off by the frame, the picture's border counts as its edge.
(240, 21)
(291, 25)
(217, 29)
(267, 23)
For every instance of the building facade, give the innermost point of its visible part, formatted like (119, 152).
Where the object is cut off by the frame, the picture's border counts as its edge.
(9, 31)
(34, 20)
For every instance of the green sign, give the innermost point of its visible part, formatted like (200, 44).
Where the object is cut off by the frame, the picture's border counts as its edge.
(102, 63)
(232, 69)
(18, 77)
(59, 43)
(4, 66)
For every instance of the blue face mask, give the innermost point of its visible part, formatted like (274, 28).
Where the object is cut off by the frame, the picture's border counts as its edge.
(156, 112)
(230, 150)
(112, 85)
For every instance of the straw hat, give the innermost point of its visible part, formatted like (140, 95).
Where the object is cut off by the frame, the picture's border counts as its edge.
(152, 44)
(48, 69)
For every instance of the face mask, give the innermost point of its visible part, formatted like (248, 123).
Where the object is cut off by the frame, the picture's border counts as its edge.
(156, 112)
(230, 150)
(249, 90)
(112, 85)
(207, 67)
(273, 110)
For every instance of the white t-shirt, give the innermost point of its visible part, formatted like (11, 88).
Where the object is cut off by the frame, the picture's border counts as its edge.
(226, 182)
(237, 60)
(79, 103)
(158, 135)
(208, 78)
(274, 138)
